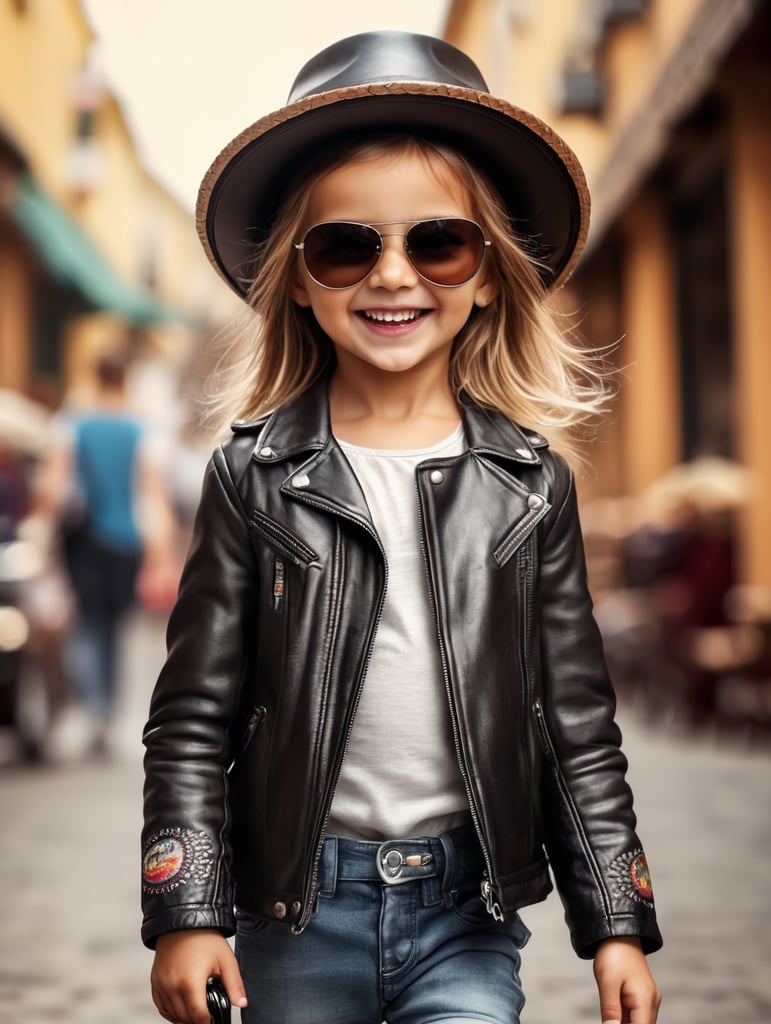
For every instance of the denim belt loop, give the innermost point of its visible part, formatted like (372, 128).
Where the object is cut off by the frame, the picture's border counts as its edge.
(450, 861)
(328, 867)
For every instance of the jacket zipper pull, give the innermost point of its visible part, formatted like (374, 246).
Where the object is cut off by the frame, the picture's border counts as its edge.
(278, 584)
(251, 727)
(488, 898)
(543, 730)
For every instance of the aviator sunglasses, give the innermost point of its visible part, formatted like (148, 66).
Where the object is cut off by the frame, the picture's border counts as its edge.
(445, 251)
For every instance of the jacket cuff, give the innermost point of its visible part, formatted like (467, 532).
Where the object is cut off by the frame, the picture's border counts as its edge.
(190, 916)
(586, 940)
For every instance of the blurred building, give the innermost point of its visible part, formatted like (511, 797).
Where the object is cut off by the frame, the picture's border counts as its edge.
(667, 106)
(90, 243)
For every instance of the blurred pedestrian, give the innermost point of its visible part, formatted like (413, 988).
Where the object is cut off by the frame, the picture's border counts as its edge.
(101, 479)
(385, 694)
(13, 494)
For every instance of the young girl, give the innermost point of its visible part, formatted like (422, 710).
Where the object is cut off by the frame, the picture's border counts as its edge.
(385, 712)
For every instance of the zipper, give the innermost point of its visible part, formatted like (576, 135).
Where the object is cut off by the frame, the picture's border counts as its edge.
(309, 894)
(527, 621)
(488, 895)
(256, 716)
(279, 584)
(529, 700)
(279, 537)
(543, 729)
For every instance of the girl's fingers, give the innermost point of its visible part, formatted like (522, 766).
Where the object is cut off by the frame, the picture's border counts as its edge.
(234, 986)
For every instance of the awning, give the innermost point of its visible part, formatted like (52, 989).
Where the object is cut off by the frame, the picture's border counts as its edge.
(75, 262)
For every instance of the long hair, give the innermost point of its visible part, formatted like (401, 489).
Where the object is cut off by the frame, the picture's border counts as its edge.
(517, 355)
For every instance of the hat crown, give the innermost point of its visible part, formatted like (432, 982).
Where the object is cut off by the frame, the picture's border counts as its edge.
(386, 57)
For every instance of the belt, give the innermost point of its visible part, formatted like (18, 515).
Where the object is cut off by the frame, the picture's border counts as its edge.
(448, 857)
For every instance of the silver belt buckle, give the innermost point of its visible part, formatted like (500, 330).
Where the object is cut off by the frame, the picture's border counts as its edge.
(394, 867)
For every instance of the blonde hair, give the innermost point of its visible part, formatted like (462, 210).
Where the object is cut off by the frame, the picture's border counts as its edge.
(517, 354)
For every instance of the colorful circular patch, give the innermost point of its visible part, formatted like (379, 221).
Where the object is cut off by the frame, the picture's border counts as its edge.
(173, 857)
(632, 878)
(164, 861)
(641, 877)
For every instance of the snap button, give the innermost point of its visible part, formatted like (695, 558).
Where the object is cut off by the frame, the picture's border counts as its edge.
(301, 480)
(436, 476)
(393, 860)
(267, 452)
(535, 501)
(524, 452)
(296, 908)
(279, 910)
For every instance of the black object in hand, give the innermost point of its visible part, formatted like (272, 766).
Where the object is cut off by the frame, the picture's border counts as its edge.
(217, 1001)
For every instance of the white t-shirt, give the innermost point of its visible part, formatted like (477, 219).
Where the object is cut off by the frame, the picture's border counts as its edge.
(400, 776)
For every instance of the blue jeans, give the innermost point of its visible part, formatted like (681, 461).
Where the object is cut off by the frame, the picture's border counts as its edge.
(103, 580)
(399, 934)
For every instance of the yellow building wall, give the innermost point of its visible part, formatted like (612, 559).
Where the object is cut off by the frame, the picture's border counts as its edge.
(39, 50)
(751, 243)
(127, 213)
(522, 48)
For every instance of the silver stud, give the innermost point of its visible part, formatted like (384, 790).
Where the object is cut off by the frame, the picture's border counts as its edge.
(267, 452)
(436, 476)
(301, 480)
(296, 908)
(535, 501)
(279, 910)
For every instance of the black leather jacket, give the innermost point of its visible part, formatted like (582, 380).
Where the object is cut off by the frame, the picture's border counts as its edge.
(268, 649)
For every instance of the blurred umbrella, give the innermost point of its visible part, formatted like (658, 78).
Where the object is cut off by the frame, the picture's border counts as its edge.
(24, 424)
(710, 483)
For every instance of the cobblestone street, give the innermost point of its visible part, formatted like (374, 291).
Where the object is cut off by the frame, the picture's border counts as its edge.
(69, 929)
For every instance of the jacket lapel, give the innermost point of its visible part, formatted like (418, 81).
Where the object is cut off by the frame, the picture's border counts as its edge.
(299, 434)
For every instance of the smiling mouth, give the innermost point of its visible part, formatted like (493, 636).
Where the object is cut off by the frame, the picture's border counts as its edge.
(392, 316)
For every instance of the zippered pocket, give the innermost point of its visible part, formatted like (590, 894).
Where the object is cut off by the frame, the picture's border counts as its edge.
(256, 715)
(282, 539)
(543, 729)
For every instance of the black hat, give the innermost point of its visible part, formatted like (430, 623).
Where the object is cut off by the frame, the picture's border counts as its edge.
(384, 82)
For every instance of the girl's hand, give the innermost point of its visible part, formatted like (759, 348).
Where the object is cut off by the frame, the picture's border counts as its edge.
(628, 993)
(184, 961)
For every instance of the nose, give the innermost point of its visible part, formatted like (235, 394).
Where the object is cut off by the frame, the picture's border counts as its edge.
(393, 269)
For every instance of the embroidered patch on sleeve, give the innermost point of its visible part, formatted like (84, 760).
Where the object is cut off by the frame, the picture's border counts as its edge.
(632, 878)
(174, 857)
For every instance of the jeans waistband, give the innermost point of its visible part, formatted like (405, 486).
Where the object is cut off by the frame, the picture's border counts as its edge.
(447, 857)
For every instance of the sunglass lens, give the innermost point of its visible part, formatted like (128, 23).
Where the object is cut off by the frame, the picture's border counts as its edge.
(339, 255)
(446, 251)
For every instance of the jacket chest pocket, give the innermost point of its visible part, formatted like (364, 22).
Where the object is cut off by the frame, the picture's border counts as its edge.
(284, 548)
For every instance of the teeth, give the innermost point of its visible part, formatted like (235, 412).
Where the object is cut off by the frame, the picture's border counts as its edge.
(396, 316)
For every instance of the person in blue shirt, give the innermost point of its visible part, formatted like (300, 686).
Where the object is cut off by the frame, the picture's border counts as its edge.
(98, 476)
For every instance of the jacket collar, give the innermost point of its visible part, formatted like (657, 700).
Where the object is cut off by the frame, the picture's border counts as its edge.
(303, 426)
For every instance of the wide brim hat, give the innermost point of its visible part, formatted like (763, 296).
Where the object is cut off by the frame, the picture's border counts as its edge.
(402, 83)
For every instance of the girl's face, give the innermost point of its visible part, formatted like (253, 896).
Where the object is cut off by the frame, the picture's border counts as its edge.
(393, 320)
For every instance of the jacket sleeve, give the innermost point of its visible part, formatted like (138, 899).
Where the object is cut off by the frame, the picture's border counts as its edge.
(186, 850)
(588, 818)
